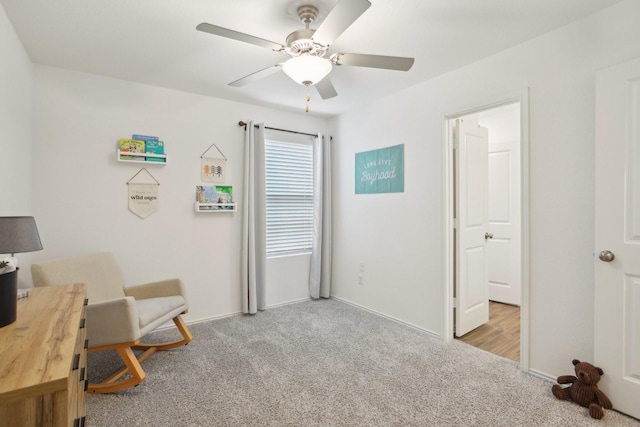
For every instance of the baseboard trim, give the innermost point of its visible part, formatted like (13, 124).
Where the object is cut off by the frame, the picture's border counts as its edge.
(208, 319)
(386, 316)
(282, 304)
(542, 375)
(170, 325)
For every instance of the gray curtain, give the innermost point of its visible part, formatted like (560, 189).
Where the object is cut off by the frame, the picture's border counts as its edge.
(254, 252)
(320, 271)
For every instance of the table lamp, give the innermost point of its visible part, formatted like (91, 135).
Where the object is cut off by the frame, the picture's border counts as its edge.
(17, 234)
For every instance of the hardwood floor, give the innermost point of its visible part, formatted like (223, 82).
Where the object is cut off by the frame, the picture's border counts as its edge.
(501, 335)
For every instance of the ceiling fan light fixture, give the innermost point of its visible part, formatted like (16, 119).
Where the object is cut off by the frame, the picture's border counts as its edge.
(307, 70)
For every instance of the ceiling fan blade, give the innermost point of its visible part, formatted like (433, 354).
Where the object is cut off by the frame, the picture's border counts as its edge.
(256, 76)
(373, 61)
(339, 19)
(235, 35)
(325, 88)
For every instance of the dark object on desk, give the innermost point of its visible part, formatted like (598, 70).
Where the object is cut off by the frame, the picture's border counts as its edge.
(8, 297)
(17, 234)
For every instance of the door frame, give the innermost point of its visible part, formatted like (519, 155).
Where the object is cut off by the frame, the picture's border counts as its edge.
(449, 222)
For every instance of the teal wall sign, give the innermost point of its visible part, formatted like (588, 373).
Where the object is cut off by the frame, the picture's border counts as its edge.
(380, 171)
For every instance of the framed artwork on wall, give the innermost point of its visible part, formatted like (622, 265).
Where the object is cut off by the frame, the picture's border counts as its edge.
(380, 171)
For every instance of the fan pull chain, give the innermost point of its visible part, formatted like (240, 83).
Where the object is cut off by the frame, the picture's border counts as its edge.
(306, 110)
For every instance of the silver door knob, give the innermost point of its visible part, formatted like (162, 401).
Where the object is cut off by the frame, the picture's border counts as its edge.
(606, 256)
(488, 236)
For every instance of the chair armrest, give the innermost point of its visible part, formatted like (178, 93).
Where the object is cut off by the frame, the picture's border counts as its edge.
(112, 322)
(163, 288)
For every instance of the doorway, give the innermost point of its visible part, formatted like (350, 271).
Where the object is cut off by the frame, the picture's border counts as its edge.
(505, 244)
(501, 334)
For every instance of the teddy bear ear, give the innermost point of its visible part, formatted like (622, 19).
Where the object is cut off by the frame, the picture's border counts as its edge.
(575, 362)
(600, 371)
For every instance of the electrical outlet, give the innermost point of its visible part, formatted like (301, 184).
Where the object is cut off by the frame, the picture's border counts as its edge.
(361, 267)
(360, 279)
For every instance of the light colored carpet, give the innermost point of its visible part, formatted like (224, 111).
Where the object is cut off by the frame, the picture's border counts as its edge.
(327, 363)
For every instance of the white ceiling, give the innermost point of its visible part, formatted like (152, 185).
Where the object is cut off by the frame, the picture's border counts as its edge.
(155, 41)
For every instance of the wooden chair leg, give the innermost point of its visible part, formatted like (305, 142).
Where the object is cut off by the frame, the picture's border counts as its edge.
(132, 366)
(182, 327)
(132, 363)
(187, 337)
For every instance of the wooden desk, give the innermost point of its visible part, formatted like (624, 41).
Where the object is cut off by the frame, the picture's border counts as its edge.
(43, 360)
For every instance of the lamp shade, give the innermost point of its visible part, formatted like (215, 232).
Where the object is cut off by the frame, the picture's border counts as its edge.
(307, 70)
(18, 234)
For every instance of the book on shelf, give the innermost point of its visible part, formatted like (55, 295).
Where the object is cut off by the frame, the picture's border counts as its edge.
(131, 146)
(144, 137)
(206, 194)
(154, 147)
(225, 195)
(214, 197)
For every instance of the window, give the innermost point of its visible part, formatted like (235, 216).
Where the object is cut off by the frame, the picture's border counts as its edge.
(289, 197)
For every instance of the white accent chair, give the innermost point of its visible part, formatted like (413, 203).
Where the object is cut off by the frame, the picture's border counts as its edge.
(118, 316)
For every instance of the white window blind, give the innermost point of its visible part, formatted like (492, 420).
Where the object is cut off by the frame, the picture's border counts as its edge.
(289, 197)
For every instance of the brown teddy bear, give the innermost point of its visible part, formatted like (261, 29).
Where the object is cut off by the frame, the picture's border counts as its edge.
(583, 389)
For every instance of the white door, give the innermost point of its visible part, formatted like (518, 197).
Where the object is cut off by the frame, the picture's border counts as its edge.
(617, 229)
(472, 289)
(503, 248)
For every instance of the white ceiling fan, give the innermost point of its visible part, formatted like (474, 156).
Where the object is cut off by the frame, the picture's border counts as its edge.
(307, 48)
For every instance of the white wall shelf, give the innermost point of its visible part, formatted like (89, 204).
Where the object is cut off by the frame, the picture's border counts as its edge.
(158, 159)
(215, 207)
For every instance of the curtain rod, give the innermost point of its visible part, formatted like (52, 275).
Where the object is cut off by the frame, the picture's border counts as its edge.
(241, 123)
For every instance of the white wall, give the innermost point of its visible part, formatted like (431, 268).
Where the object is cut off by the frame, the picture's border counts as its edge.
(16, 87)
(16, 75)
(400, 236)
(287, 279)
(80, 190)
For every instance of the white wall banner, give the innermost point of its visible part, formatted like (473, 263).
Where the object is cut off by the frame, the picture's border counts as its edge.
(143, 196)
(213, 169)
(143, 199)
